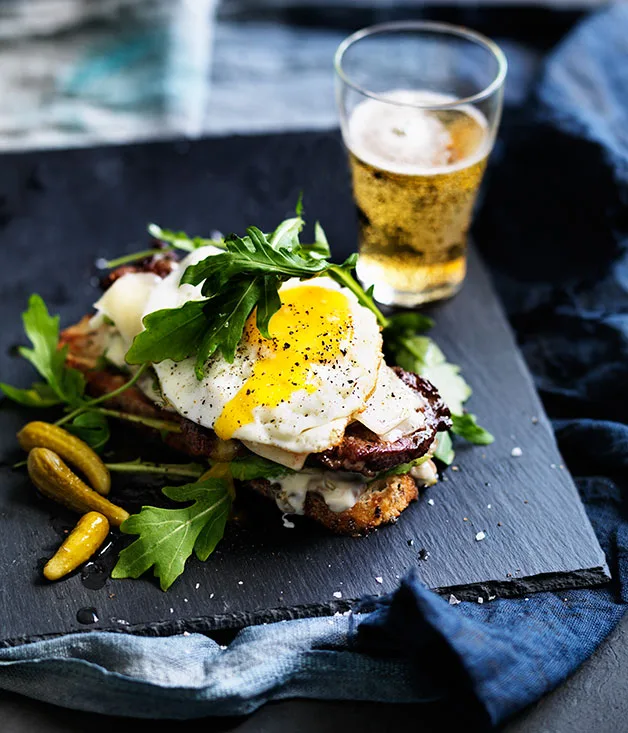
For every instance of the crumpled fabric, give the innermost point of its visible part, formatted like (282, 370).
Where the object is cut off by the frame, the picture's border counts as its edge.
(553, 228)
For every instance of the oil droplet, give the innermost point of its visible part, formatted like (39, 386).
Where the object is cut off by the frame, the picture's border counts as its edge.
(87, 616)
(96, 571)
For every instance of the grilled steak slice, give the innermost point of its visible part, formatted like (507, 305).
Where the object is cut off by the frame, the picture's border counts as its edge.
(362, 451)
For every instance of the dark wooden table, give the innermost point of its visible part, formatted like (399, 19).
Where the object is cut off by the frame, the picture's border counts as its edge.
(593, 699)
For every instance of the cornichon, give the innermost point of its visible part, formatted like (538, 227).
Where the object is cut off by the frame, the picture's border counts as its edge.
(70, 448)
(82, 542)
(56, 481)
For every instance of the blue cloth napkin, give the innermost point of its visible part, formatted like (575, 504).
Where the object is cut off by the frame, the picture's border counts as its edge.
(554, 232)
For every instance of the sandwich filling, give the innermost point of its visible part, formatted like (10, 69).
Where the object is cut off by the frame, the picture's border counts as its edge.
(316, 397)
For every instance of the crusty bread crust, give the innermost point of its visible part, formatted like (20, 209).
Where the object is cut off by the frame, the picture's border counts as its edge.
(382, 503)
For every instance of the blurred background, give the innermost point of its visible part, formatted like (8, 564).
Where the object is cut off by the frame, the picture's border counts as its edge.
(84, 72)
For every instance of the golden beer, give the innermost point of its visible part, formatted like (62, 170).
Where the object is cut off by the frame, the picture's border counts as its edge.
(416, 174)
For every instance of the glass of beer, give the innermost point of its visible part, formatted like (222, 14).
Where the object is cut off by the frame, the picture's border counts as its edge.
(419, 103)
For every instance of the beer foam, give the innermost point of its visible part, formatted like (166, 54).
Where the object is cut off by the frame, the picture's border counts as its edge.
(406, 139)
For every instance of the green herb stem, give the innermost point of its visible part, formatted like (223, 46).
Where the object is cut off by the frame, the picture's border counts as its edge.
(190, 470)
(103, 398)
(340, 275)
(133, 257)
(165, 425)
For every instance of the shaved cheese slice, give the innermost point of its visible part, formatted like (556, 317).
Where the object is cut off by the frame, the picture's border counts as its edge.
(125, 300)
(393, 410)
(295, 461)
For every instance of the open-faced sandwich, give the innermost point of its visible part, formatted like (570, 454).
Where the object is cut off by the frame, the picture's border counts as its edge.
(347, 439)
(263, 361)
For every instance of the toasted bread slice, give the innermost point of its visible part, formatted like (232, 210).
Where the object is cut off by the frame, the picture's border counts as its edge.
(380, 504)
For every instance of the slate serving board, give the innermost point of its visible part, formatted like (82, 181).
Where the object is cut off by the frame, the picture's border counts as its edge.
(60, 211)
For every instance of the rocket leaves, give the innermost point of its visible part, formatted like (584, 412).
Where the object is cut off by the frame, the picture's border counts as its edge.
(167, 537)
(63, 385)
(226, 315)
(248, 257)
(171, 333)
(245, 276)
(410, 349)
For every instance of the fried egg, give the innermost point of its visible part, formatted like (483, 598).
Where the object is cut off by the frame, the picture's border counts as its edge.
(288, 395)
(296, 391)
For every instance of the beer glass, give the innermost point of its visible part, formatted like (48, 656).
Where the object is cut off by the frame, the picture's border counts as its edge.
(419, 105)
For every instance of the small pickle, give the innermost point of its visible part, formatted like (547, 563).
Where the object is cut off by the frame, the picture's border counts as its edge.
(82, 542)
(56, 481)
(73, 450)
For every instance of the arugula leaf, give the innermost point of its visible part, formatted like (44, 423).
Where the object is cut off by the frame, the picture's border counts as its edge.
(402, 468)
(171, 333)
(91, 427)
(408, 323)
(419, 354)
(444, 450)
(180, 240)
(247, 258)
(446, 378)
(43, 332)
(224, 328)
(167, 537)
(66, 384)
(298, 209)
(39, 395)
(320, 247)
(176, 240)
(286, 236)
(251, 467)
(269, 303)
(466, 426)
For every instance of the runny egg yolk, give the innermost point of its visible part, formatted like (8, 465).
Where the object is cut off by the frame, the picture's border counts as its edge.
(309, 328)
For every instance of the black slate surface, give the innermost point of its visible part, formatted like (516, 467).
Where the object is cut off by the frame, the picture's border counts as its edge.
(60, 211)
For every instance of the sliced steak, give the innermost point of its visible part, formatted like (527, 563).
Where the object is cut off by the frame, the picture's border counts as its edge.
(362, 451)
